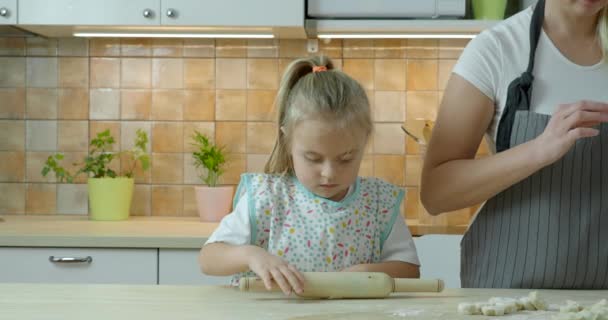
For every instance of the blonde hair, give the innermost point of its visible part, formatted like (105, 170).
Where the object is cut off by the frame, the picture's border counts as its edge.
(308, 90)
(602, 27)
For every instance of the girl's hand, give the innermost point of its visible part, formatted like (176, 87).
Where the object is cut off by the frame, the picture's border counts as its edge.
(569, 123)
(269, 267)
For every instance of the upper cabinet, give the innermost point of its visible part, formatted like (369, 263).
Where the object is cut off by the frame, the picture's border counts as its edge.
(8, 12)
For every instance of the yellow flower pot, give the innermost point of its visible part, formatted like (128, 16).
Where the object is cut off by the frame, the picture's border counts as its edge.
(110, 198)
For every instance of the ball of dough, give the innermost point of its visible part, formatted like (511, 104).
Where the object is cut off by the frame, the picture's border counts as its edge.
(493, 310)
(536, 301)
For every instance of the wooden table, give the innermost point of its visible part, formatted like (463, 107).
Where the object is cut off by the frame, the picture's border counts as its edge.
(117, 302)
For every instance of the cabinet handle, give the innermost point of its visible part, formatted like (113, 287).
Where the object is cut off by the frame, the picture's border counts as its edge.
(148, 13)
(171, 13)
(4, 12)
(54, 259)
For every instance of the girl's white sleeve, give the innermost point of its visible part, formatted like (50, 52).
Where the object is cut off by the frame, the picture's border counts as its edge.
(235, 227)
(399, 246)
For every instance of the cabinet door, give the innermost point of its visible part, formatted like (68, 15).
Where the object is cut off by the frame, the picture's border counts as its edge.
(89, 12)
(98, 265)
(180, 267)
(233, 13)
(8, 12)
(440, 258)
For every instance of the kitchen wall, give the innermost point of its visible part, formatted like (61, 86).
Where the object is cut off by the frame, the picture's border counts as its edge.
(55, 94)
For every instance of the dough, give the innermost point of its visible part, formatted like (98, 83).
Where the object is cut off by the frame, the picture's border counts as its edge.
(495, 310)
(571, 306)
(525, 301)
(536, 301)
(468, 308)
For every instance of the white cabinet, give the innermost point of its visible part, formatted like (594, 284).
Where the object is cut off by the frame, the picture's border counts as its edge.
(78, 265)
(89, 12)
(180, 267)
(8, 12)
(440, 258)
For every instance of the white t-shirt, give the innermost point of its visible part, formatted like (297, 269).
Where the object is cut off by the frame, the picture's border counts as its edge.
(498, 55)
(235, 229)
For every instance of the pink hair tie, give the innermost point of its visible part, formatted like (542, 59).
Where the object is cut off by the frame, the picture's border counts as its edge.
(319, 68)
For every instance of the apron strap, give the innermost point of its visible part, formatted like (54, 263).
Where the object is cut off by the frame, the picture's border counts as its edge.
(520, 90)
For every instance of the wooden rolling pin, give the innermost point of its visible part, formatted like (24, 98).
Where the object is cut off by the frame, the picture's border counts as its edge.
(338, 285)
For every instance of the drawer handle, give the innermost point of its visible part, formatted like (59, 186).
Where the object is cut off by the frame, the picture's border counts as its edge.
(54, 259)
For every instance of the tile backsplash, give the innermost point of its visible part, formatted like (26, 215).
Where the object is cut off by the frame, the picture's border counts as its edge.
(55, 94)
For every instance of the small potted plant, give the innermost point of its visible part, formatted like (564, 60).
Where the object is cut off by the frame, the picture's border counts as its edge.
(213, 201)
(110, 193)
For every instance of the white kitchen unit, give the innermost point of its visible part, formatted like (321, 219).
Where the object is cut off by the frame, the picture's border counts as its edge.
(440, 257)
(180, 267)
(78, 265)
(8, 12)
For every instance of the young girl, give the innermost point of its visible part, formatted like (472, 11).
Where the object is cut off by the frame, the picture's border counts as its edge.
(310, 211)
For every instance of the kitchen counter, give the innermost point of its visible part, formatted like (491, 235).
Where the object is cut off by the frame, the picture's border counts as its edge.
(117, 302)
(136, 232)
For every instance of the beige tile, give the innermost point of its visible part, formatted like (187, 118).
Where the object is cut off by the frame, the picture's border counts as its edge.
(257, 162)
(167, 168)
(366, 169)
(105, 73)
(361, 70)
(12, 166)
(167, 73)
(12, 72)
(13, 102)
(133, 47)
(389, 75)
(167, 137)
(390, 168)
(136, 73)
(422, 105)
(261, 137)
(41, 103)
(421, 75)
(74, 72)
(413, 170)
(235, 167)
(12, 198)
(167, 105)
(104, 104)
(41, 198)
(133, 168)
(390, 48)
(41, 135)
(231, 73)
(422, 49)
(128, 133)
(231, 135)
(412, 203)
(389, 139)
(34, 163)
(292, 48)
(389, 106)
(337, 64)
(13, 135)
(262, 74)
(104, 47)
(190, 208)
(38, 46)
(167, 200)
(331, 48)
(41, 72)
(199, 105)
(141, 203)
(445, 71)
(72, 135)
(96, 127)
(451, 48)
(135, 104)
(260, 105)
(72, 199)
(167, 47)
(199, 73)
(191, 173)
(262, 48)
(12, 46)
(415, 127)
(206, 128)
(73, 47)
(358, 48)
(231, 105)
(199, 48)
(231, 48)
(73, 104)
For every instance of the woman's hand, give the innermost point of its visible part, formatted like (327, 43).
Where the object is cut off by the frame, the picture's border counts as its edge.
(569, 123)
(269, 267)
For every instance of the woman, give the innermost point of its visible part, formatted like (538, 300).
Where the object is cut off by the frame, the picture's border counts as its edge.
(544, 223)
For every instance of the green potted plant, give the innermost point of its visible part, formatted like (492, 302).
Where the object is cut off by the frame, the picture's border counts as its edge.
(213, 201)
(110, 192)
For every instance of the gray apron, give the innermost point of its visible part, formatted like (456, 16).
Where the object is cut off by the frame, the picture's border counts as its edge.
(551, 229)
